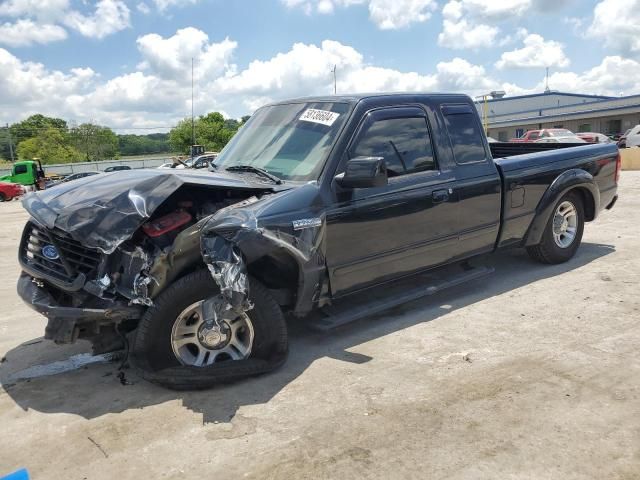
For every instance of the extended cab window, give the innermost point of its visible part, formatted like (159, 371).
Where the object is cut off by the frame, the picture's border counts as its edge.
(464, 133)
(403, 143)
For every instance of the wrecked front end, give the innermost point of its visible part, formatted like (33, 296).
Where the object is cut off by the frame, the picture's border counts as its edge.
(94, 257)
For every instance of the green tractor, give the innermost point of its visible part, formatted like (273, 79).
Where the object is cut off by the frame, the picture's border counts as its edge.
(28, 173)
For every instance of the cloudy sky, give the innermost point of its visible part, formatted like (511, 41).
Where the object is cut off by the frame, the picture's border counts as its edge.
(127, 64)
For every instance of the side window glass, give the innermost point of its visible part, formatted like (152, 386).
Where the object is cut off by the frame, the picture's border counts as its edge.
(465, 136)
(21, 169)
(403, 143)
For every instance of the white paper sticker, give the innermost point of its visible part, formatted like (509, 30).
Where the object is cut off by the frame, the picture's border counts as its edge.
(324, 117)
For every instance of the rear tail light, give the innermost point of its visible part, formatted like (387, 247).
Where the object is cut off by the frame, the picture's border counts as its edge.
(167, 223)
(618, 166)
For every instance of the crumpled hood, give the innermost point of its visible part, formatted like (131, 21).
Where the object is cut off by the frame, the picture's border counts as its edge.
(104, 210)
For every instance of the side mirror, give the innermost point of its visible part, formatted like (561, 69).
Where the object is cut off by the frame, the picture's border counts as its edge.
(363, 172)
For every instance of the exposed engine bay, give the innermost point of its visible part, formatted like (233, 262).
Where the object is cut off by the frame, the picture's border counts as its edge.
(125, 274)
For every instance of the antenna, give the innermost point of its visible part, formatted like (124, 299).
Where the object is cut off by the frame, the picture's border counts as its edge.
(335, 88)
(546, 88)
(193, 127)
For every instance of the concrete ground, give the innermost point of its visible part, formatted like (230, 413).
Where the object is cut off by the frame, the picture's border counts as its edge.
(533, 373)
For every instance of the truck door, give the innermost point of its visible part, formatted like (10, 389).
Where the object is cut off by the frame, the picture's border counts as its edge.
(478, 182)
(376, 234)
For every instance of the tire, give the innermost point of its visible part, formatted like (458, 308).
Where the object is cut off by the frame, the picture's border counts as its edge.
(3, 198)
(151, 348)
(549, 251)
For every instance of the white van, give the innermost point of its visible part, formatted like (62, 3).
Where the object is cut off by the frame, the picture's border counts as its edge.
(633, 137)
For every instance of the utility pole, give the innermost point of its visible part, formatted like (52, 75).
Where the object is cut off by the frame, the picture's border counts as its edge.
(335, 88)
(193, 125)
(10, 143)
(546, 88)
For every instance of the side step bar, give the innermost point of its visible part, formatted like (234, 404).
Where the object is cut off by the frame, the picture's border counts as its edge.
(368, 303)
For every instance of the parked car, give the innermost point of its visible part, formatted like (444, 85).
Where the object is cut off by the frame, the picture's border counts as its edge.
(9, 191)
(72, 177)
(529, 136)
(593, 137)
(116, 168)
(535, 135)
(201, 161)
(632, 137)
(567, 139)
(326, 209)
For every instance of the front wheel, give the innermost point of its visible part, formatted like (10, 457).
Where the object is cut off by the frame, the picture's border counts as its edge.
(563, 232)
(175, 346)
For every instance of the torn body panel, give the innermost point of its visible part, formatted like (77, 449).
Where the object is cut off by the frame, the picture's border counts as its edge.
(259, 234)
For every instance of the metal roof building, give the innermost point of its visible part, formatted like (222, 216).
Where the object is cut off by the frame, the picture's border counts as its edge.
(510, 117)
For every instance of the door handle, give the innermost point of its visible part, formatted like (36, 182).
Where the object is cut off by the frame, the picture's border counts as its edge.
(439, 196)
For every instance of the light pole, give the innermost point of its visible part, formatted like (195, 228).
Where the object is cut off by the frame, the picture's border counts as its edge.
(485, 107)
(335, 88)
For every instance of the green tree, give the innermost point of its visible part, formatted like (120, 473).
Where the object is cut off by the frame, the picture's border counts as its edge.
(144, 144)
(50, 146)
(26, 129)
(95, 142)
(211, 130)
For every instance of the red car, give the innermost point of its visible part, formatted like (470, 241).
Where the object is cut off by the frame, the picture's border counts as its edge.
(9, 191)
(529, 136)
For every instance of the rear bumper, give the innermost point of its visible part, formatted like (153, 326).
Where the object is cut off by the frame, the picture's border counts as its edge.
(67, 324)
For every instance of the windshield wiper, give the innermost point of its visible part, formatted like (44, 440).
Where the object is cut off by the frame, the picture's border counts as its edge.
(254, 169)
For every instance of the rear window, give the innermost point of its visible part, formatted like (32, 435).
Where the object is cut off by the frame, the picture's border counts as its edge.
(464, 133)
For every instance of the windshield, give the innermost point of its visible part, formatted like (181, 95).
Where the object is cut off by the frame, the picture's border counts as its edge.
(290, 141)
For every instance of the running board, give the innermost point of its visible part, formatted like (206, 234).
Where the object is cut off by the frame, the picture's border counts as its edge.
(367, 303)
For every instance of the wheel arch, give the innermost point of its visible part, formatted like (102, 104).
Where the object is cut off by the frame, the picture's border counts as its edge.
(577, 180)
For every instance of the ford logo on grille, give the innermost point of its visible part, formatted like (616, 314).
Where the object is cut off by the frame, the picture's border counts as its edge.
(50, 252)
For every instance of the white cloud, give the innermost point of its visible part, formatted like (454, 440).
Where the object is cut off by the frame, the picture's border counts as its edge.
(614, 76)
(110, 16)
(160, 93)
(26, 32)
(43, 21)
(28, 87)
(46, 10)
(386, 14)
(171, 57)
(143, 8)
(536, 53)
(394, 14)
(472, 23)
(163, 5)
(617, 23)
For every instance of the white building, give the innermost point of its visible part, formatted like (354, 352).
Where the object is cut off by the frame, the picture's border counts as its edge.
(510, 117)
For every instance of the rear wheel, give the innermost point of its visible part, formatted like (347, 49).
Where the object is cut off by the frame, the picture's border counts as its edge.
(563, 232)
(3, 198)
(177, 346)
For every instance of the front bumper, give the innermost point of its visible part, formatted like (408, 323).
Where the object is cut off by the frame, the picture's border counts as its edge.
(67, 324)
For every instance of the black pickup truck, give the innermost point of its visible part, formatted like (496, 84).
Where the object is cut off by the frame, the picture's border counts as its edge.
(327, 209)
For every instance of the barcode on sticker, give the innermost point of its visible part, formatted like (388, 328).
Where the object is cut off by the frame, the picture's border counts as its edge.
(324, 117)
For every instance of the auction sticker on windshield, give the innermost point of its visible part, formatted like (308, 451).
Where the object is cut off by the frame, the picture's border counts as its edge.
(324, 117)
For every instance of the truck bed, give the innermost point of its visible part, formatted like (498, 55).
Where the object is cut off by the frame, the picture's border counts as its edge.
(527, 179)
(510, 149)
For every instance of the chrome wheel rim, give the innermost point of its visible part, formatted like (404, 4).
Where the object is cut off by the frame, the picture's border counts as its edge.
(199, 343)
(565, 224)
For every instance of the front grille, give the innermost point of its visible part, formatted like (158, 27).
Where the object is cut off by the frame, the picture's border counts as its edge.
(74, 259)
